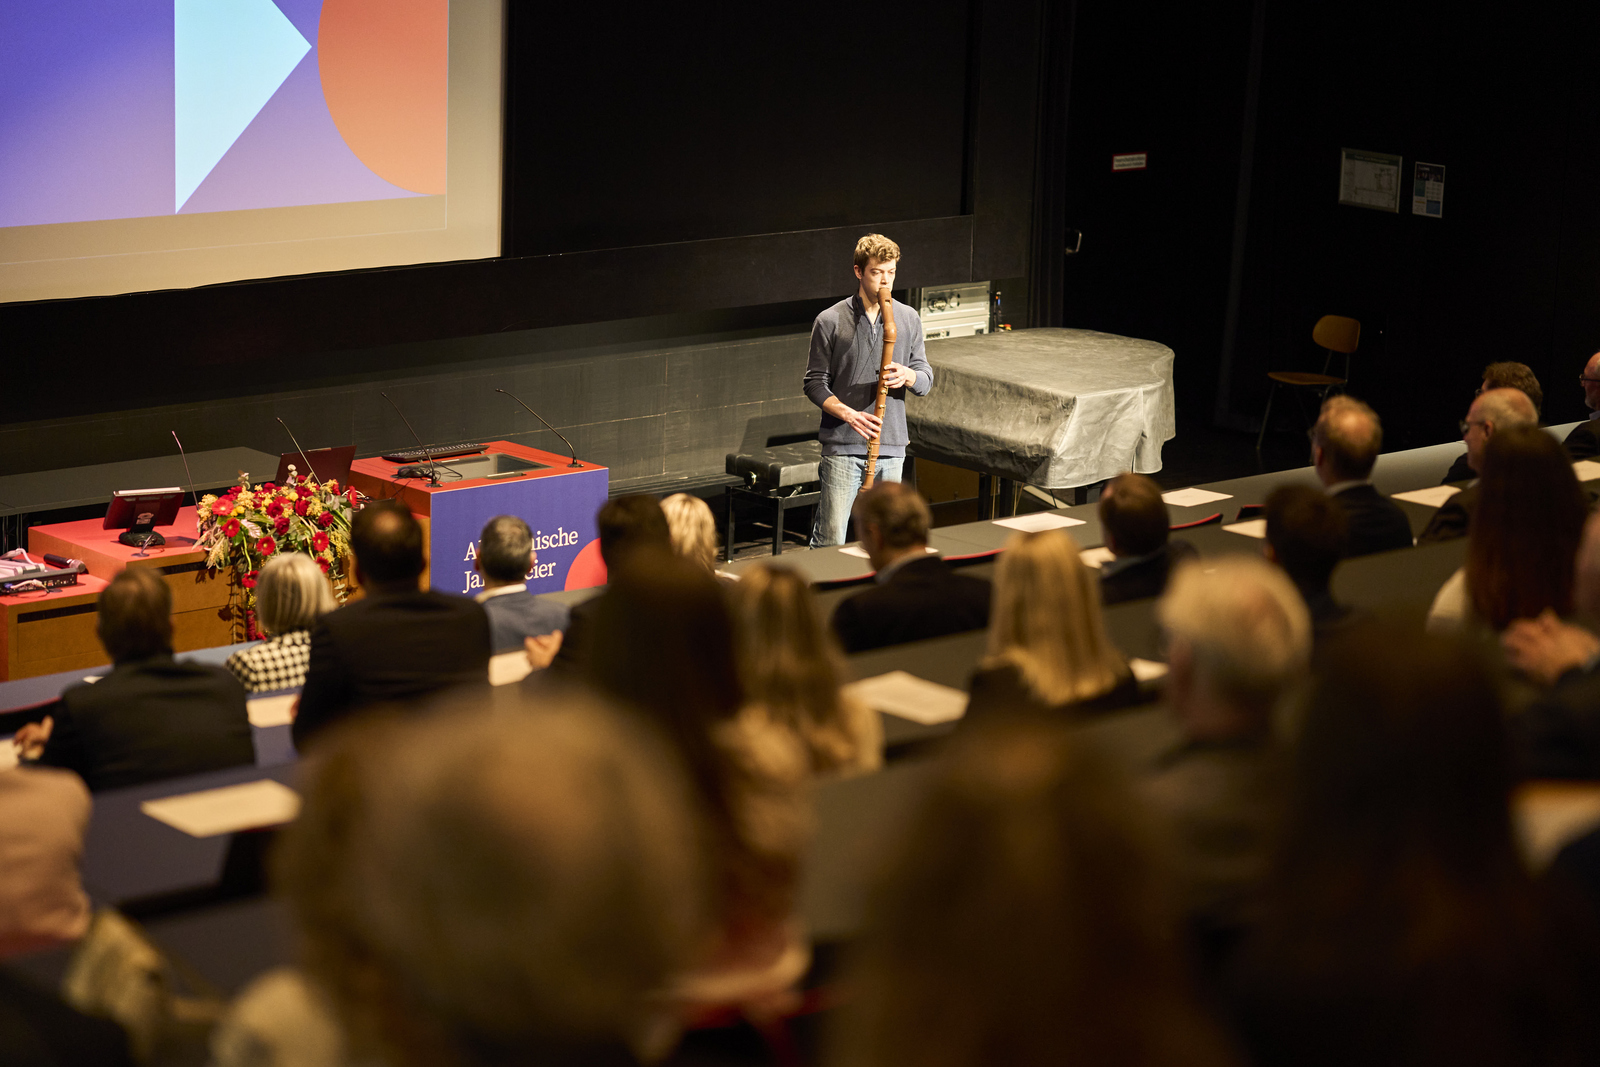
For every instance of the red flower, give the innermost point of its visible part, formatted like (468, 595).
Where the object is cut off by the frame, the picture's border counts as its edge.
(323, 564)
(306, 492)
(222, 506)
(280, 525)
(325, 520)
(230, 528)
(267, 485)
(301, 507)
(249, 580)
(266, 546)
(332, 486)
(319, 542)
(354, 500)
(275, 508)
(301, 478)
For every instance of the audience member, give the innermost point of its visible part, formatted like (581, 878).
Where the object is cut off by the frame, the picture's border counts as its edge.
(517, 619)
(693, 529)
(43, 815)
(1492, 411)
(626, 524)
(38, 1029)
(917, 595)
(398, 642)
(1134, 523)
(1400, 925)
(1499, 376)
(1558, 735)
(1523, 543)
(792, 672)
(1306, 535)
(663, 645)
(152, 716)
(1023, 920)
(1048, 648)
(292, 593)
(1584, 440)
(1238, 635)
(476, 887)
(1345, 444)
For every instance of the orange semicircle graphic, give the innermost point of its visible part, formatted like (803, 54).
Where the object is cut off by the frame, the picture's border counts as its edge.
(385, 74)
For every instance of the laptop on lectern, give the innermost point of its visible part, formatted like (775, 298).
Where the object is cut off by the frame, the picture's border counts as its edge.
(326, 464)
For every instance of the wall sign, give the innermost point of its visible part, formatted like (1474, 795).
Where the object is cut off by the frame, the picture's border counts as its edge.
(1369, 179)
(1130, 161)
(1427, 190)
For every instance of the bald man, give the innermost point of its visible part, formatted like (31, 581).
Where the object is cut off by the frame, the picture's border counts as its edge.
(1344, 446)
(1492, 411)
(1584, 440)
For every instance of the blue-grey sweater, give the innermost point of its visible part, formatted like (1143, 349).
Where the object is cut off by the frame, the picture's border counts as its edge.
(846, 351)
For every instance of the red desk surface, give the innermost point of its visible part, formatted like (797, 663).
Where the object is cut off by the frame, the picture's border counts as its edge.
(375, 476)
(105, 556)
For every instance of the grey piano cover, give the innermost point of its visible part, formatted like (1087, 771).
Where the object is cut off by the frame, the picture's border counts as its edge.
(1051, 407)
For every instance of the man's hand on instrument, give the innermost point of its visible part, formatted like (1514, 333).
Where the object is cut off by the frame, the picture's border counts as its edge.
(865, 423)
(899, 375)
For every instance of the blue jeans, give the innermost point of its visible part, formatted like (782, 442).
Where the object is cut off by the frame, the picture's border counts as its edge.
(841, 484)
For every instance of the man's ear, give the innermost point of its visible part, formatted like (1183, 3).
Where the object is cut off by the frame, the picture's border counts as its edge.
(857, 268)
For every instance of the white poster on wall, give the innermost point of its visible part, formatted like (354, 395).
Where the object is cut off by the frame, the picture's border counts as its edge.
(1427, 190)
(1369, 179)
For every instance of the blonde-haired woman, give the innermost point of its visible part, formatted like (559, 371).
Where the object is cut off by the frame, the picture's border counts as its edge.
(693, 529)
(292, 593)
(791, 673)
(1048, 648)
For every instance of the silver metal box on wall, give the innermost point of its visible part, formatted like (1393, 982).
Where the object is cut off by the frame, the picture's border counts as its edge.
(953, 310)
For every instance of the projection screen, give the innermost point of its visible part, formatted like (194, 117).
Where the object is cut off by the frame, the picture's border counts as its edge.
(159, 144)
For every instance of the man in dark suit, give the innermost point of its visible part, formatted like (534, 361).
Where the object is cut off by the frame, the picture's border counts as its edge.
(1496, 409)
(1133, 520)
(1558, 736)
(1505, 375)
(1345, 444)
(1306, 536)
(398, 643)
(1584, 440)
(151, 717)
(916, 594)
(517, 618)
(625, 524)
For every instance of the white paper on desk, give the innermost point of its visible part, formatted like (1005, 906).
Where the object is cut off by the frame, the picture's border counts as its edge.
(1193, 498)
(1096, 557)
(904, 694)
(1146, 670)
(857, 550)
(1039, 520)
(1430, 498)
(1587, 470)
(1250, 528)
(272, 711)
(210, 812)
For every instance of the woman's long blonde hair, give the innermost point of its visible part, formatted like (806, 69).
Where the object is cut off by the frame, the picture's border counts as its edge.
(1046, 620)
(789, 663)
(693, 529)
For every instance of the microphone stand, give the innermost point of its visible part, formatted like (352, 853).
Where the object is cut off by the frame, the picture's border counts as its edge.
(193, 496)
(572, 451)
(433, 471)
(309, 468)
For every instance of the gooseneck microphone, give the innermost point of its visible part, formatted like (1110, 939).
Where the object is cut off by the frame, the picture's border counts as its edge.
(433, 471)
(309, 468)
(195, 497)
(552, 429)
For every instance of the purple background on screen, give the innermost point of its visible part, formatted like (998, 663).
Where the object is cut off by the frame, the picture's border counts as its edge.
(86, 124)
(290, 154)
(86, 128)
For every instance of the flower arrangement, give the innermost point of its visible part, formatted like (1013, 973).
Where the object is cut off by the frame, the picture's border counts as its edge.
(244, 527)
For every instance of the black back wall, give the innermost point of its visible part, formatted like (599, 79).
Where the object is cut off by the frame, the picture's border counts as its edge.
(1232, 244)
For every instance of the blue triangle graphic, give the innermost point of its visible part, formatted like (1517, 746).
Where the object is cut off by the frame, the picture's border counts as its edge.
(230, 56)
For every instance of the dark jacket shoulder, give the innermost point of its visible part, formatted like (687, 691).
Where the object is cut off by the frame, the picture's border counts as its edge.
(922, 599)
(1453, 518)
(1584, 440)
(1377, 524)
(1146, 578)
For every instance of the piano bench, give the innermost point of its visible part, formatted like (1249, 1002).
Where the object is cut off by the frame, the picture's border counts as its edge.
(784, 476)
